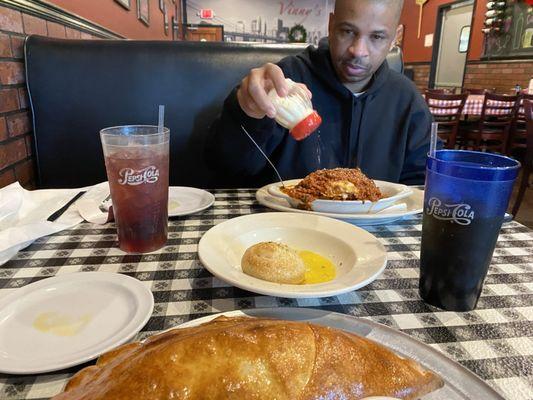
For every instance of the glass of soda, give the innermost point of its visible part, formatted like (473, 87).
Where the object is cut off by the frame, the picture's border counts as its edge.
(466, 196)
(136, 159)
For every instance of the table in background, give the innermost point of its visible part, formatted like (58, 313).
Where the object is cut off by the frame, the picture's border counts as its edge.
(473, 106)
(494, 341)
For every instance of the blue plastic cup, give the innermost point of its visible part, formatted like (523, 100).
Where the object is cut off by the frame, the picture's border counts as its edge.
(466, 196)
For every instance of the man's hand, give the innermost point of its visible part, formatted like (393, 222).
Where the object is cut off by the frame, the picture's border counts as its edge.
(253, 92)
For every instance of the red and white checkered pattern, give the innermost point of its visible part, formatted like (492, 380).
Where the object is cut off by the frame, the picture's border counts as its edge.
(473, 106)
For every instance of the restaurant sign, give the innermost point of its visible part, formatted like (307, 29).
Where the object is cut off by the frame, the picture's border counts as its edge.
(207, 13)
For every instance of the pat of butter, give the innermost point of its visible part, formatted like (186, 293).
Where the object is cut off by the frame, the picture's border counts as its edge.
(59, 324)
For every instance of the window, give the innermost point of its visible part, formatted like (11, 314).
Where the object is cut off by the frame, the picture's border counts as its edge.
(463, 39)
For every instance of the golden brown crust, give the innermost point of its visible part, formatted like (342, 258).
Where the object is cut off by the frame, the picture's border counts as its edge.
(334, 184)
(251, 358)
(379, 372)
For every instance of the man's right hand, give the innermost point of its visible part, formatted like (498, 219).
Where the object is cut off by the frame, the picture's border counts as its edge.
(253, 92)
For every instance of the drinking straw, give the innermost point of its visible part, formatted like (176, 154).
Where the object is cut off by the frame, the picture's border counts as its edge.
(161, 121)
(433, 142)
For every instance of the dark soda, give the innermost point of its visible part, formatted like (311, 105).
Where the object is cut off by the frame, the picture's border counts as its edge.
(138, 180)
(454, 260)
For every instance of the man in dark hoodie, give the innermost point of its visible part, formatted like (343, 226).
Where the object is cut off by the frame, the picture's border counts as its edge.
(373, 117)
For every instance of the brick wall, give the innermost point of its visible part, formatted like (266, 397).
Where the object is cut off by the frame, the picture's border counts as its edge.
(16, 161)
(503, 76)
(420, 74)
(499, 75)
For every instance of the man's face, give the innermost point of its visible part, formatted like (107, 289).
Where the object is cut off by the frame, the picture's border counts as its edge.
(360, 36)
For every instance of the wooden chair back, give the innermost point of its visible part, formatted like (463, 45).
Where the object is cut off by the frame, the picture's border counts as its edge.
(446, 110)
(497, 116)
(518, 130)
(527, 167)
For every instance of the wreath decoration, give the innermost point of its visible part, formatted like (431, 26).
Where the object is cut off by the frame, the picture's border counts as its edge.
(298, 34)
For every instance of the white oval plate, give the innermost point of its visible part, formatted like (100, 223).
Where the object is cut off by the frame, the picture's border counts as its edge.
(392, 192)
(414, 205)
(115, 307)
(459, 382)
(184, 200)
(358, 256)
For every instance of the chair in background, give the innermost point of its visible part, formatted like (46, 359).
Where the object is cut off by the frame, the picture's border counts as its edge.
(527, 166)
(446, 110)
(491, 131)
(518, 136)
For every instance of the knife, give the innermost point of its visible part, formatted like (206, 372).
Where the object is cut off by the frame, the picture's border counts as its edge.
(62, 210)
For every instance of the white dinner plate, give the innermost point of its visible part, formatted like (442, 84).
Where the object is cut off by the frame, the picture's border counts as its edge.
(69, 319)
(184, 200)
(392, 192)
(414, 204)
(459, 383)
(357, 255)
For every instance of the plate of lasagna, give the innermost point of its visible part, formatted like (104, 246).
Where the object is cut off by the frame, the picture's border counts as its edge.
(340, 190)
(345, 194)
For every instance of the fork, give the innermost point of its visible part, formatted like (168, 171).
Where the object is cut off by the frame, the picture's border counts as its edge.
(104, 207)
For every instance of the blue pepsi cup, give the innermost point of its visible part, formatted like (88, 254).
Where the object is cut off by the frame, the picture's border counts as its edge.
(466, 196)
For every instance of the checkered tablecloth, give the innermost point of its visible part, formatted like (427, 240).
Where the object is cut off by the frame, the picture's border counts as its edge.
(473, 106)
(494, 341)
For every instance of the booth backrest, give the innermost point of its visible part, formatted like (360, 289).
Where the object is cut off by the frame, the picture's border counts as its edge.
(78, 87)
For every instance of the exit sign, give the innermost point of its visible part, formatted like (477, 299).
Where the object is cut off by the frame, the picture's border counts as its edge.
(207, 13)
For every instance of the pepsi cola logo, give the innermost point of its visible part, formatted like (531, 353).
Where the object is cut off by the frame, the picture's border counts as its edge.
(461, 214)
(129, 176)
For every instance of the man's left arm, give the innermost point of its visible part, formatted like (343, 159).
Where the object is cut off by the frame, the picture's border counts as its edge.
(418, 138)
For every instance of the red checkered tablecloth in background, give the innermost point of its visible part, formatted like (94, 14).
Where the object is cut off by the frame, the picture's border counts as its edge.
(473, 106)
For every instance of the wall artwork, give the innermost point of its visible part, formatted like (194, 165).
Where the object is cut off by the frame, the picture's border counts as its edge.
(266, 21)
(143, 11)
(514, 38)
(124, 3)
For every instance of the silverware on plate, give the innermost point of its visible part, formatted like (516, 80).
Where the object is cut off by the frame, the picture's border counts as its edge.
(105, 204)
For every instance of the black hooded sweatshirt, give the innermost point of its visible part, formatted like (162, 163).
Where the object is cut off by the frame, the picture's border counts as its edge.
(385, 131)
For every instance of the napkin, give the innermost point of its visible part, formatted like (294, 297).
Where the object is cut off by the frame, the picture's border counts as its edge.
(23, 215)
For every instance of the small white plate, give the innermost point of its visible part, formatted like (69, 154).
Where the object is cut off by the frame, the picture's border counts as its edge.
(182, 200)
(89, 313)
(187, 200)
(414, 205)
(392, 192)
(357, 255)
(459, 382)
